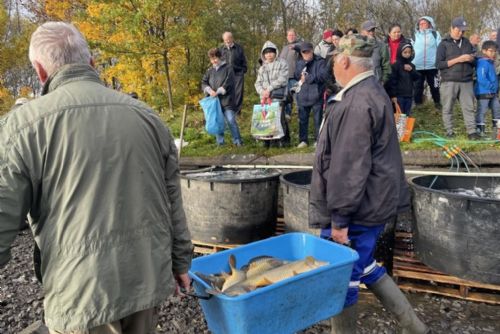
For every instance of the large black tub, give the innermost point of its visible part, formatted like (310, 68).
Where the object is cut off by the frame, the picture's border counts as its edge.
(296, 187)
(457, 234)
(230, 206)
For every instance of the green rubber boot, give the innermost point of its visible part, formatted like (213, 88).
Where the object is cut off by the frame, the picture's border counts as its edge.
(395, 301)
(345, 322)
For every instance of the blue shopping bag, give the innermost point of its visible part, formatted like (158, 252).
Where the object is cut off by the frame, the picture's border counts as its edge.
(214, 118)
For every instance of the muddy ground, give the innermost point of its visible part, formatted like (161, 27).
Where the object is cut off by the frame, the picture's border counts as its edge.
(21, 304)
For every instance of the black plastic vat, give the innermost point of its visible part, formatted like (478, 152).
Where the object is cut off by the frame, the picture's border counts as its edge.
(230, 206)
(457, 234)
(296, 187)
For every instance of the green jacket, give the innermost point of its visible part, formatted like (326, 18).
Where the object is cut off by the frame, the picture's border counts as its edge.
(97, 172)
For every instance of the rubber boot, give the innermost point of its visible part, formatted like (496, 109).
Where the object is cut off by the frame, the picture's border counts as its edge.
(395, 301)
(480, 129)
(345, 322)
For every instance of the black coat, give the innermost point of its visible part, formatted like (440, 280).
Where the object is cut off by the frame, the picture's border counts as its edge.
(312, 89)
(223, 77)
(447, 50)
(235, 57)
(358, 170)
(400, 81)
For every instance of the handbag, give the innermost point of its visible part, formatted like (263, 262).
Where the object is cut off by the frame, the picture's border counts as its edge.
(266, 121)
(404, 124)
(214, 118)
(279, 93)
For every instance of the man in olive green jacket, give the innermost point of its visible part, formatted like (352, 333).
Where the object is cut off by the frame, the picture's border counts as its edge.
(98, 175)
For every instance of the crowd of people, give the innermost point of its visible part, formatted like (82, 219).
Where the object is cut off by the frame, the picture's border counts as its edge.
(454, 68)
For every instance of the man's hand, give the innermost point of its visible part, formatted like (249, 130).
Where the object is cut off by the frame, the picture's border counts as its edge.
(182, 281)
(466, 58)
(340, 235)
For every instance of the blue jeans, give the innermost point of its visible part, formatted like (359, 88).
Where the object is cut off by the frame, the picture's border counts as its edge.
(405, 104)
(366, 270)
(482, 108)
(229, 115)
(304, 112)
(288, 106)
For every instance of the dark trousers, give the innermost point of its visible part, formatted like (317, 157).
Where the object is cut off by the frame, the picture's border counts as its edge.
(239, 79)
(304, 113)
(431, 76)
(405, 104)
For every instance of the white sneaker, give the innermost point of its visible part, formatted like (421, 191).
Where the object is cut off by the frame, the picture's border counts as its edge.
(302, 144)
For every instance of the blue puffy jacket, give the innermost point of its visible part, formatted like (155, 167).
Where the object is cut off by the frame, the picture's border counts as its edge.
(486, 78)
(425, 45)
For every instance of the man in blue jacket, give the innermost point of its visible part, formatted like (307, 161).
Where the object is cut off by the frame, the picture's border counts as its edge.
(311, 74)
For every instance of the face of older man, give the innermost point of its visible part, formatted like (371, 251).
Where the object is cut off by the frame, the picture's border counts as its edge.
(228, 39)
(291, 37)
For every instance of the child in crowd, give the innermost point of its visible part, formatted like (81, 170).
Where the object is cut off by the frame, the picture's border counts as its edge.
(403, 75)
(486, 87)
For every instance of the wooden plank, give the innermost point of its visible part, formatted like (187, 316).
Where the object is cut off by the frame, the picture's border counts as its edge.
(444, 279)
(450, 292)
(415, 267)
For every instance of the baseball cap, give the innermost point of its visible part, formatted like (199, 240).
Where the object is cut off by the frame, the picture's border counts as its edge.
(355, 45)
(459, 22)
(368, 25)
(306, 46)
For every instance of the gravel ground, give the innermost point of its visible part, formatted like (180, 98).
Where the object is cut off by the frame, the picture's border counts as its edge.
(21, 304)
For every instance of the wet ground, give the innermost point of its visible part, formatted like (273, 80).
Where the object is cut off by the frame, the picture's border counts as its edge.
(21, 304)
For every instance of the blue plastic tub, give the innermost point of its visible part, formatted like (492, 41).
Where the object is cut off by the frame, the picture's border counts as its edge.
(284, 307)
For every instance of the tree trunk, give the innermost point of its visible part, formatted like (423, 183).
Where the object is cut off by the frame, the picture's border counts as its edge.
(169, 83)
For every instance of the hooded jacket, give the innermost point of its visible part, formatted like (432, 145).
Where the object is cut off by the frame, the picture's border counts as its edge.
(486, 79)
(271, 75)
(425, 45)
(97, 171)
(400, 82)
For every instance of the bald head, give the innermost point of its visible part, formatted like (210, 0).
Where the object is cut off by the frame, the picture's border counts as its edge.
(227, 37)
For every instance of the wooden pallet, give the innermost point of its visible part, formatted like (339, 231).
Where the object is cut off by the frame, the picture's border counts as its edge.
(202, 247)
(412, 275)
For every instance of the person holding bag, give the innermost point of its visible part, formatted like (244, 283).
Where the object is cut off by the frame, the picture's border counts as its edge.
(272, 83)
(219, 81)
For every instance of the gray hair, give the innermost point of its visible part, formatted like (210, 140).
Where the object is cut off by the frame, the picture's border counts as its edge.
(363, 62)
(54, 44)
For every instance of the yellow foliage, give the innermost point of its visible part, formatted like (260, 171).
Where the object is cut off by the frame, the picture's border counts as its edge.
(57, 9)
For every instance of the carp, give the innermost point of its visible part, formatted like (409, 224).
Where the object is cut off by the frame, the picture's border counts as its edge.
(236, 275)
(276, 274)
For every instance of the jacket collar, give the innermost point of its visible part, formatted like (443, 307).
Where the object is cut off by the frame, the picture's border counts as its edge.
(69, 73)
(354, 81)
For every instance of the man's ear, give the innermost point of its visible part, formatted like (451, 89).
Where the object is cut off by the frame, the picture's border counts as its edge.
(40, 72)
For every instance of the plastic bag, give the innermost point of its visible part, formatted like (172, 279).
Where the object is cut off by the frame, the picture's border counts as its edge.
(266, 121)
(214, 118)
(404, 125)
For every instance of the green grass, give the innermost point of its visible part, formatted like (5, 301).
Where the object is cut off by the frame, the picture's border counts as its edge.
(202, 144)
